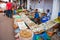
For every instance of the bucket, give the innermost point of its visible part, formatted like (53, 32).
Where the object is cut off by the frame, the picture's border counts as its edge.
(45, 36)
(37, 37)
(17, 30)
(50, 33)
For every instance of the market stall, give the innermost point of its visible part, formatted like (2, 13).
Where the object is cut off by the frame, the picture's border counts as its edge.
(23, 22)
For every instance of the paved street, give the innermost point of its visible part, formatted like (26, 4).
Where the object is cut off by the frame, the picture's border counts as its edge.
(6, 29)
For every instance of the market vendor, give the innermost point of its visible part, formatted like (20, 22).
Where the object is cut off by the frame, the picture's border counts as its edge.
(36, 17)
(48, 14)
(43, 18)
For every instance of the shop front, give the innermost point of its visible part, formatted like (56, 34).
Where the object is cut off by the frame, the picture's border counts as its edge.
(52, 5)
(40, 4)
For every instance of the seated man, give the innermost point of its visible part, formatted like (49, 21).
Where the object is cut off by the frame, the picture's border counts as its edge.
(44, 18)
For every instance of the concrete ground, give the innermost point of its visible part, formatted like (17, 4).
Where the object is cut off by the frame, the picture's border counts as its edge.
(6, 29)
